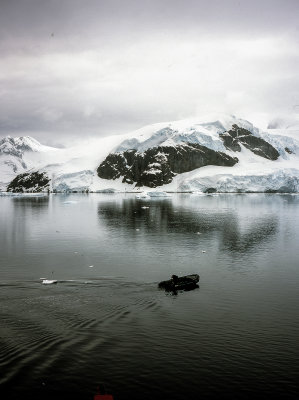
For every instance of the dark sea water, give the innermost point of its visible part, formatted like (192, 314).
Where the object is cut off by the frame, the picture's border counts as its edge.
(236, 336)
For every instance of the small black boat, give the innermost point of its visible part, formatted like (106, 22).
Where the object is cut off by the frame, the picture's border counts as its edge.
(187, 282)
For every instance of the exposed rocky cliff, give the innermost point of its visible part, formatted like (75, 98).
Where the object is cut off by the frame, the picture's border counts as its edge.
(158, 165)
(29, 182)
(236, 136)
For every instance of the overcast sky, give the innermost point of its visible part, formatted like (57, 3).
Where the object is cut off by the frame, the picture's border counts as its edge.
(74, 68)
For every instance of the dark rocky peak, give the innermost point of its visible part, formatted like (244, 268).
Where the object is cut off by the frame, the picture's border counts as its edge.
(237, 132)
(236, 136)
(288, 150)
(29, 182)
(158, 165)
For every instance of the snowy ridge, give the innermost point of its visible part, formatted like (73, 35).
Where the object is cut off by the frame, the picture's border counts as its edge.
(17, 146)
(204, 131)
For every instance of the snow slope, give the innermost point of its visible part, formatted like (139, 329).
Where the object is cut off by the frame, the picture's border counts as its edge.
(75, 168)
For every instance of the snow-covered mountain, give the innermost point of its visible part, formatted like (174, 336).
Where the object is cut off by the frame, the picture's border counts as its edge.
(217, 152)
(18, 155)
(70, 168)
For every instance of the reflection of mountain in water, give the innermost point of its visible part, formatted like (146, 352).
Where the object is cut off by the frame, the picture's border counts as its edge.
(233, 240)
(19, 215)
(31, 202)
(30, 207)
(165, 218)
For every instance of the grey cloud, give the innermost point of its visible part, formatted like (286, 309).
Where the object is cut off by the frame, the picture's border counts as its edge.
(72, 68)
(47, 24)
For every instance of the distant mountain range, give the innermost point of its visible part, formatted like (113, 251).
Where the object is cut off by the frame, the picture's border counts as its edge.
(216, 153)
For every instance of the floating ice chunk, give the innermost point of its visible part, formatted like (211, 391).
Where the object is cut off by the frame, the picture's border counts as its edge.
(158, 194)
(108, 190)
(48, 281)
(142, 195)
(151, 194)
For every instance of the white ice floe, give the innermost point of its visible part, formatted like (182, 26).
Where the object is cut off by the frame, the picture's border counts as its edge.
(143, 195)
(49, 281)
(156, 193)
(152, 194)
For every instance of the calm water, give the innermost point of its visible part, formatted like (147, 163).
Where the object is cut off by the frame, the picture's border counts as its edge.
(105, 321)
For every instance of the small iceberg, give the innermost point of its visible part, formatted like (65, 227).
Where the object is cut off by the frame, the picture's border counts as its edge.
(46, 281)
(198, 193)
(49, 281)
(142, 195)
(108, 190)
(158, 194)
(152, 194)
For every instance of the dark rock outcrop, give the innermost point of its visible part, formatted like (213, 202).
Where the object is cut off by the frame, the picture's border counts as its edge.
(210, 190)
(288, 150)
(29, 182)
(258, 146)
(158, 165)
